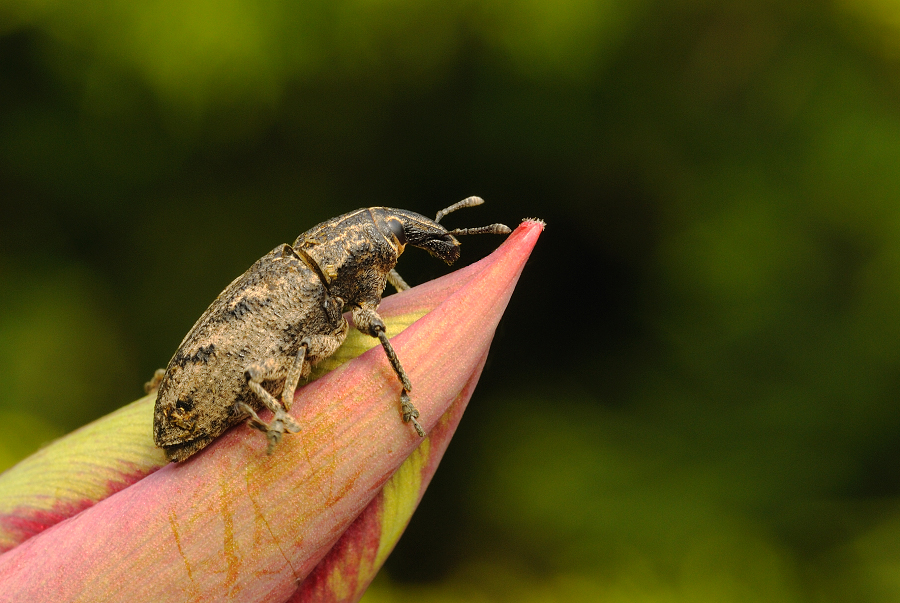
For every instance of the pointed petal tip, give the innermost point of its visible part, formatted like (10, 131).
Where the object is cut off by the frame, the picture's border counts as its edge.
(532, 223)
(524, 237)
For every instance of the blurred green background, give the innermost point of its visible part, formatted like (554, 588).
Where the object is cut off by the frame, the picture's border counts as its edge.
(694, 393)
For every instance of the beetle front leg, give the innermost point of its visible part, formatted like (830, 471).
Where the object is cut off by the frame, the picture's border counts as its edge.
(397, 281)
(410, 413)
(369, 322)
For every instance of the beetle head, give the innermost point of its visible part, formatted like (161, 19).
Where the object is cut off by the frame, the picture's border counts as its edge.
(404, 227)
(401, 227)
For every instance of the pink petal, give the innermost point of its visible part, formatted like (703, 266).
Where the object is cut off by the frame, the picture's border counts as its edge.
(233, 522)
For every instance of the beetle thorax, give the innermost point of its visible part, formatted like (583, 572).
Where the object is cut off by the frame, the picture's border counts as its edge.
(354, 262)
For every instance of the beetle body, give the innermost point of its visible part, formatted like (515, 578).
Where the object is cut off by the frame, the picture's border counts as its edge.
(285, 313)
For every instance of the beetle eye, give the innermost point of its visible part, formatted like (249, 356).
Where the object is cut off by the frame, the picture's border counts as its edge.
(397, 230)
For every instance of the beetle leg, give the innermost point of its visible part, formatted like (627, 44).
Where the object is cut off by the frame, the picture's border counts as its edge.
(410, 413)
(397, 281)
(153, 385)
(293, 376)
(369, 322)
(392, 358)
(253, 421)
(255, 374)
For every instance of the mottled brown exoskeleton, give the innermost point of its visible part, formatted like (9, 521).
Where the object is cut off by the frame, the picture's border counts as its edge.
(262, 334)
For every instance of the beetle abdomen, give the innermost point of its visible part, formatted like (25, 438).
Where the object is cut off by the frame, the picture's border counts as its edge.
(260, 316)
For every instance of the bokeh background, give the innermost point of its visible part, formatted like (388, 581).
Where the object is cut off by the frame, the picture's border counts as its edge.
(694, 393)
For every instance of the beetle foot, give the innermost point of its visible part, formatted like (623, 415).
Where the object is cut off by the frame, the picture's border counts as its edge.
(282, 422)
(410, 413)
(253, 421)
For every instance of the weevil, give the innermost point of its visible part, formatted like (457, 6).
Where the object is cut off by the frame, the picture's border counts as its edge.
(263, 333)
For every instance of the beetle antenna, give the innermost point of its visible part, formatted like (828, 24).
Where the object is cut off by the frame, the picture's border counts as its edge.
(489, 229)
(467, 202)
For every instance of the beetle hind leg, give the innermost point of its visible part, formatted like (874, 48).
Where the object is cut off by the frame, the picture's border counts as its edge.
(282, 422)
(152, 386)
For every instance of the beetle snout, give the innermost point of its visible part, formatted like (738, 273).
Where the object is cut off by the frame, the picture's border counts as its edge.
(445, 247)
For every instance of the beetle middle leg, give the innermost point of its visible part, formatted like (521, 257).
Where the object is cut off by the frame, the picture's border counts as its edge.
(369, 322)
(257, 373)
